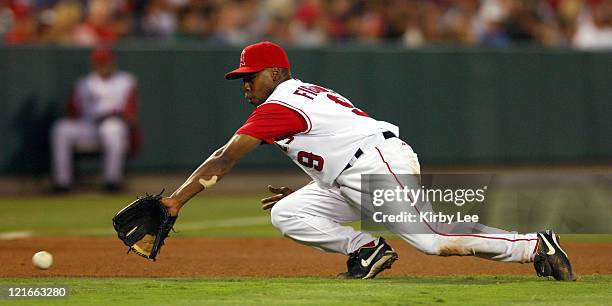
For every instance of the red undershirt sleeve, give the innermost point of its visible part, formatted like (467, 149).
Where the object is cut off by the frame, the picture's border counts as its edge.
(130, 112)
(270, 122)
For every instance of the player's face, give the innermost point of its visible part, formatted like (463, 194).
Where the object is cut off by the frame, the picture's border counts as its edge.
(104, 69)
(258, 86)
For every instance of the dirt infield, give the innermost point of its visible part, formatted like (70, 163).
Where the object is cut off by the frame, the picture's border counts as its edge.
(252, 257)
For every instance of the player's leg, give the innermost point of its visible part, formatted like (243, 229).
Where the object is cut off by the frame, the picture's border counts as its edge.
(65, 133)
(314, 216)
(393, 157)
(114, 137)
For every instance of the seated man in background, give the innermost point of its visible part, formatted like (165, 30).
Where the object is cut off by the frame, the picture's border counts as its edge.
(101, 116)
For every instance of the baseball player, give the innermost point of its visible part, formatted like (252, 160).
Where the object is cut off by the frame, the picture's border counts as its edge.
(335, 142)
(102, 113)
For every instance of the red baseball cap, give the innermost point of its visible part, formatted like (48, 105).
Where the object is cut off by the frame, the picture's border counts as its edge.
(259, 56)
(102, 55)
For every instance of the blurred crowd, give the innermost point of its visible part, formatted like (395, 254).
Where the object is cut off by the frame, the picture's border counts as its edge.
(584, 24)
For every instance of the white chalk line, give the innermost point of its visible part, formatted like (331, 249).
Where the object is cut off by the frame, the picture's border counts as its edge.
(16, 235)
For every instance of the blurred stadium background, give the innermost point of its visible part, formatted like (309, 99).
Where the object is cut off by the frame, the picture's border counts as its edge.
(471, 83)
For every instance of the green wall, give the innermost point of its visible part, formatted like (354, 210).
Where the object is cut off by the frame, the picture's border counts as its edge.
(454, 106)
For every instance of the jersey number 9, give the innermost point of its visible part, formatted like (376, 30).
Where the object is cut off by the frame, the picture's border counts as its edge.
(310, 160)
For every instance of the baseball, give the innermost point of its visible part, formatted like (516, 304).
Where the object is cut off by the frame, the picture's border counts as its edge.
(42, 260)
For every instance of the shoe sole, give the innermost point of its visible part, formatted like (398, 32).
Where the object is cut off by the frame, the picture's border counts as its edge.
(382, 264)
(554, 241)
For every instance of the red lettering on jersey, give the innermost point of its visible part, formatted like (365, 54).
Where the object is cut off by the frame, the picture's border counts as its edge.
(289, 139)
(310, 92)
(346, 103)
(340, 101)
(359, 112)
(316, 89)
(302, 93)
(285, 149)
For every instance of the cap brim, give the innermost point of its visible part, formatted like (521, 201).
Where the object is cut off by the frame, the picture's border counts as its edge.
(238, 73)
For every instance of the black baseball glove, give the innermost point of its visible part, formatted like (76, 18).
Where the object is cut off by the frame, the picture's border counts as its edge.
(144, 225)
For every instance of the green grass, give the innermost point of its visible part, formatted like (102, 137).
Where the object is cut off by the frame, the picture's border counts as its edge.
(209, 215)
(90, 215)
(449, 290)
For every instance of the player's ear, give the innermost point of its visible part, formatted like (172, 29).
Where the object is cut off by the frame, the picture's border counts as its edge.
(276, 74)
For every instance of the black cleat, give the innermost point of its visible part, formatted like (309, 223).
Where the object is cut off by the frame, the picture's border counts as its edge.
(550, 259)
(367, 262)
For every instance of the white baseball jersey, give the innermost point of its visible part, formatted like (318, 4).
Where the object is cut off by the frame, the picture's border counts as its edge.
(314, 215)
(336, 129)
(96, 97)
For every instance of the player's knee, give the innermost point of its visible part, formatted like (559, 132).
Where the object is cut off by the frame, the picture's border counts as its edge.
(277, 216)
(60, 128)
(430, 249)
(281, 216)
(428, 245)
(442, 246)
(114, 134)
(113, 127)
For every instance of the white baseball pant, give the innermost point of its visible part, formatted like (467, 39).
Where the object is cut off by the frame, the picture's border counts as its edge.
(111, 136)
(314, 216)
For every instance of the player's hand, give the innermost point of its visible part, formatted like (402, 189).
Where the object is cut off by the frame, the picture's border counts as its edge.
(281, 192)
(172, 205)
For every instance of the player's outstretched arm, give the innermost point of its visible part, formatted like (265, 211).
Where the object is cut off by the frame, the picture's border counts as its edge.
(211, 170)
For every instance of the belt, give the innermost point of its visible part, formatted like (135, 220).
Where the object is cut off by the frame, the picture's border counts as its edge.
(386, 135)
